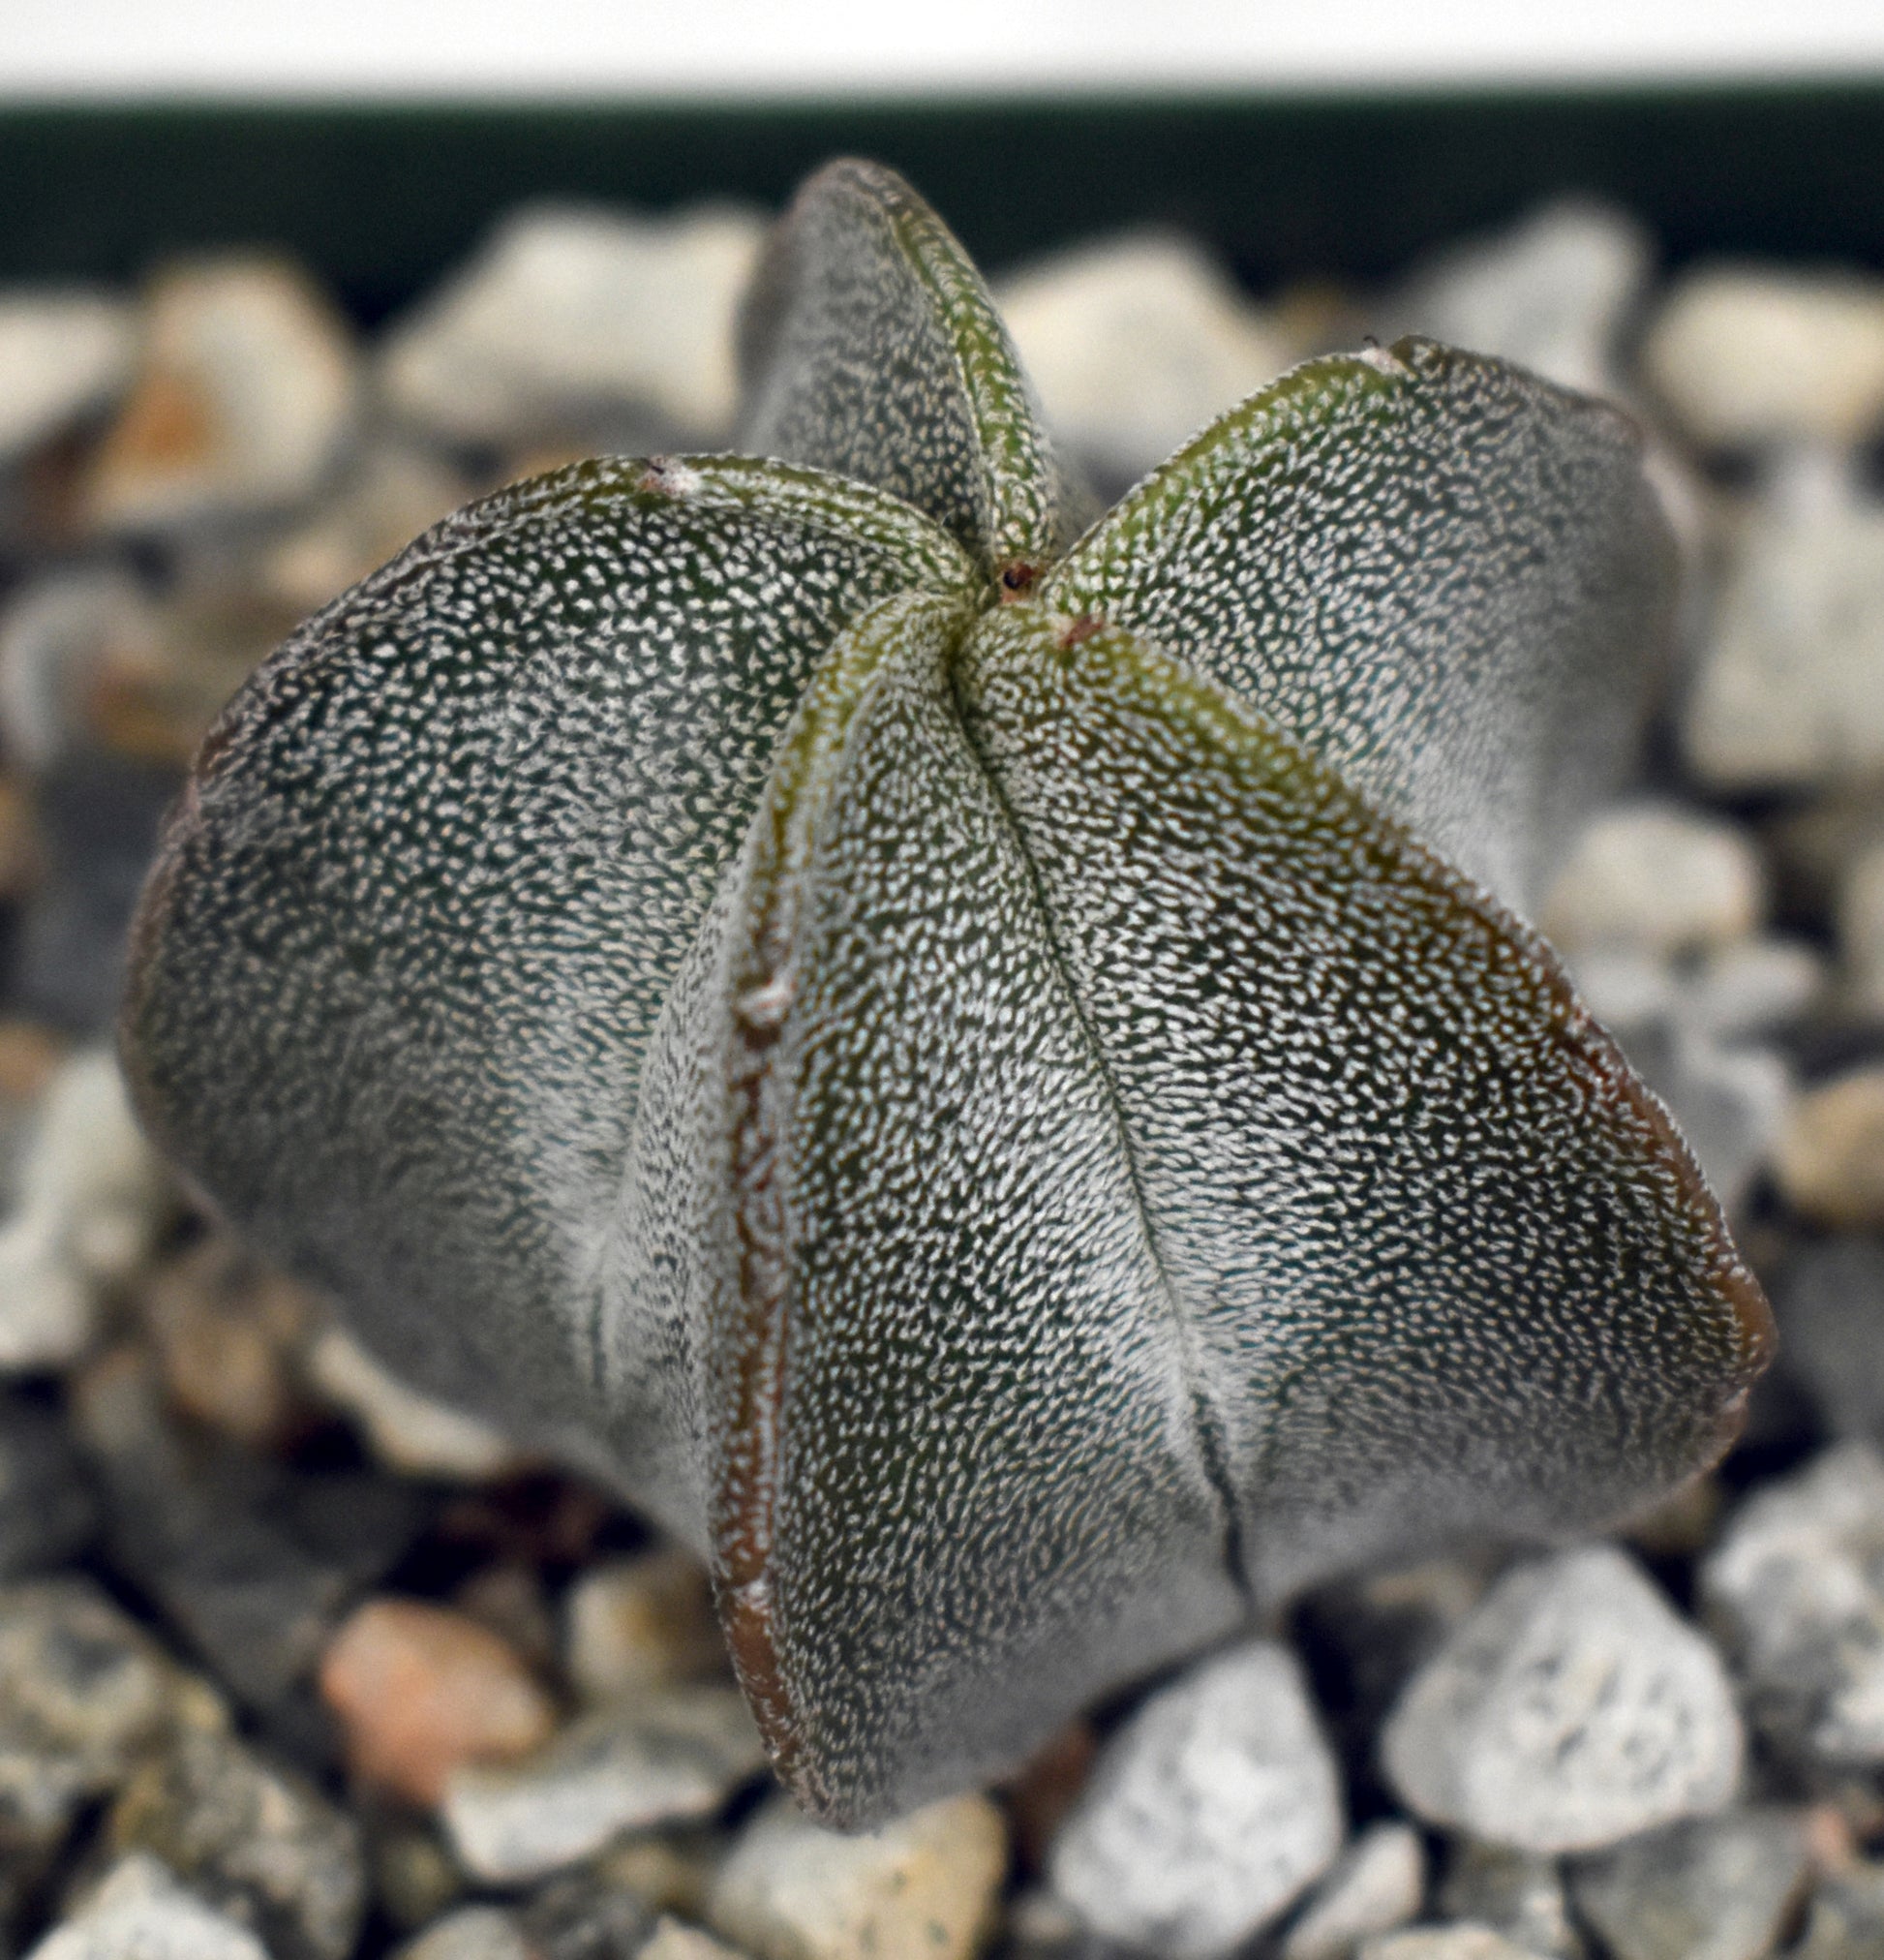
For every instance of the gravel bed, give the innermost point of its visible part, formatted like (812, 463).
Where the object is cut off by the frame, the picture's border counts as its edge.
(296, 1664)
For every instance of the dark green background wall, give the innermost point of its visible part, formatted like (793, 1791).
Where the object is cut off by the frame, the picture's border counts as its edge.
(381, 198)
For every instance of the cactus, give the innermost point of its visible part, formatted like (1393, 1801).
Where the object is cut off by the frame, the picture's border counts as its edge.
(984, 1068)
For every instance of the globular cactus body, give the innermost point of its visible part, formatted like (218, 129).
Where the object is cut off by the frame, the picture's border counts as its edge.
(986, 1070)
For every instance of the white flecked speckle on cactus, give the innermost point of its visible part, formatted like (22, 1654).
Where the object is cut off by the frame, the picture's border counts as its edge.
(979, 1065)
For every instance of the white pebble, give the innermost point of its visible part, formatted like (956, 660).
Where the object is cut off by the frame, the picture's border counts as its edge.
(925, 1885)
(1208, 1813)
(1378, 1886)
(1571, 1709)
(244, 400)
(1657, 878)
(1134, 344)
(63, 353)
(141, 1912)
(91, 1194)
(569, 319)
(1748, 354)
(1788, 691)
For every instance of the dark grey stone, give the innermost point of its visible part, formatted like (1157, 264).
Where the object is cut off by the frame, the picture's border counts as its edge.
(580, 1918)
(1830, 1302)
(256, 1842)
(1519, 1894)
(253, 1563)
(84, 1695)
(98, 817)
(1796, 1585)
(1846, 1921)
(48, 1510)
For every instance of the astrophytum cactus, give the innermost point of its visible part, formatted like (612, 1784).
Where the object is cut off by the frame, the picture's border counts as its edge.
(993, 1084)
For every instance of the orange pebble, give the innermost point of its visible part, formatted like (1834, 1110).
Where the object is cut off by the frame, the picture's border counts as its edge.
(421, 1691)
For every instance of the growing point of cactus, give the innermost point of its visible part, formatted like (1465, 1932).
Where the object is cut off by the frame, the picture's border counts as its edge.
(986, 1070)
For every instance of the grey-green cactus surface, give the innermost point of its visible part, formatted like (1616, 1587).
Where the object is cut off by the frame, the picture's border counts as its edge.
(985, 1068)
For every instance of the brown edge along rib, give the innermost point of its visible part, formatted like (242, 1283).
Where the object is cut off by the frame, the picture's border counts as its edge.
(763, 983)
(761, 988)
(1233, 727)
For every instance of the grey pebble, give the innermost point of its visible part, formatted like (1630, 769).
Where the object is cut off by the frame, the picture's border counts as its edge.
(1731, 1096)
(1707, 1888)
(1699, 1033)
(1571, 1709)
(57, 634)
(1786, 693)
(254, 1841)
(1519, 1894)
(1753, 986)
(84, 1695)
(649, 1758)
(1377, 1885)
(1208, 1813)
(582, 1916)
(253, 1564)
(413, 1879)
(141, 1912)
(1797, 1586)
(1846, 1921)
(1731, 1103)
(672, 1867)
(1830, 1304)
